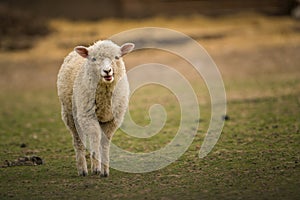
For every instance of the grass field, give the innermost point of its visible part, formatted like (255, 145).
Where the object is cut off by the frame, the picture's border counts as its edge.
(256, 157)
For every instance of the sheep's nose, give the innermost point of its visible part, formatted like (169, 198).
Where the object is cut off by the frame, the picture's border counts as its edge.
(107, 71)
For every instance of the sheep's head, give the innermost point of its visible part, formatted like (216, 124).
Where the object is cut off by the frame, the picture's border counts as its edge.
(106, 57)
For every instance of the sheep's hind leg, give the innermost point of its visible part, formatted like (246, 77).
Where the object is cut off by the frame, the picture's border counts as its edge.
(80, 156)
(77, 143)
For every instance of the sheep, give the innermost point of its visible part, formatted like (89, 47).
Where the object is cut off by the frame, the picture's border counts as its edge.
(93, 91)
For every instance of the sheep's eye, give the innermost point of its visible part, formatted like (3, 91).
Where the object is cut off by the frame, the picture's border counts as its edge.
(93, 59)
(117, 57)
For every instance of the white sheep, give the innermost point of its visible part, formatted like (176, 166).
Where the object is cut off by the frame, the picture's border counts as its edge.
(93, 91)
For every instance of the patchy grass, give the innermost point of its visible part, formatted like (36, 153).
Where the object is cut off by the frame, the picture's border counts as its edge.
(256, 157)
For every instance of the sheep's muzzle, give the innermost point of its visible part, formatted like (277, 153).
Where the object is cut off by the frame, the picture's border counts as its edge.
(108, 78)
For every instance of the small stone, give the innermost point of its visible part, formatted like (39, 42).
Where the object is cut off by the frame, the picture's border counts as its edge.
(23, 145)
(226, 117)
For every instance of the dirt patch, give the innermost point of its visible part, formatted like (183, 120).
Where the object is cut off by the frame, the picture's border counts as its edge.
(24, 161)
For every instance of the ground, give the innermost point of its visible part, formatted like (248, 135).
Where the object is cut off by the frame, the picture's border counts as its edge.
(256, 157)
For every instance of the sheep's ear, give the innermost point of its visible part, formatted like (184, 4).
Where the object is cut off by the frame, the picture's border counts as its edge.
(83, 51)
(126, 48)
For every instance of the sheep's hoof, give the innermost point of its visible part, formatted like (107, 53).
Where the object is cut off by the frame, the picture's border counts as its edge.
(105, 174)
(83, 173)
(96, 172)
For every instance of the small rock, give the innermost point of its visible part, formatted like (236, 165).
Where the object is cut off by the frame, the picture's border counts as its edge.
(23, 145)
(226, 117)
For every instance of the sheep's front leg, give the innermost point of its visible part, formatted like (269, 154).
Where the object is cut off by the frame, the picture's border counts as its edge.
(89, 126)
(105, 144)
(108, 131)
(95, 152)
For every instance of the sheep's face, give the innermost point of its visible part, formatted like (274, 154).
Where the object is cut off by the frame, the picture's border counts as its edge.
(104, 66)
(105, 57)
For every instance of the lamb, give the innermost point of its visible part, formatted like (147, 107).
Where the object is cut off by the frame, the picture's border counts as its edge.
(94, 92)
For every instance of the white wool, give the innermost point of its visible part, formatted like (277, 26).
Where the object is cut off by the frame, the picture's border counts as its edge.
(93, 106)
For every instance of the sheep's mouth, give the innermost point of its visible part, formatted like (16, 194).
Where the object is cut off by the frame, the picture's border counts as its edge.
(108, 78)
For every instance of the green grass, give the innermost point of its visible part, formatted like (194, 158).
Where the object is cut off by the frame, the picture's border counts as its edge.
(256, 157)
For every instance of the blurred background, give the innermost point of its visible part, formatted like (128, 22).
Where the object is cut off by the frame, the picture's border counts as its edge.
(247, 39)
(94, 10)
